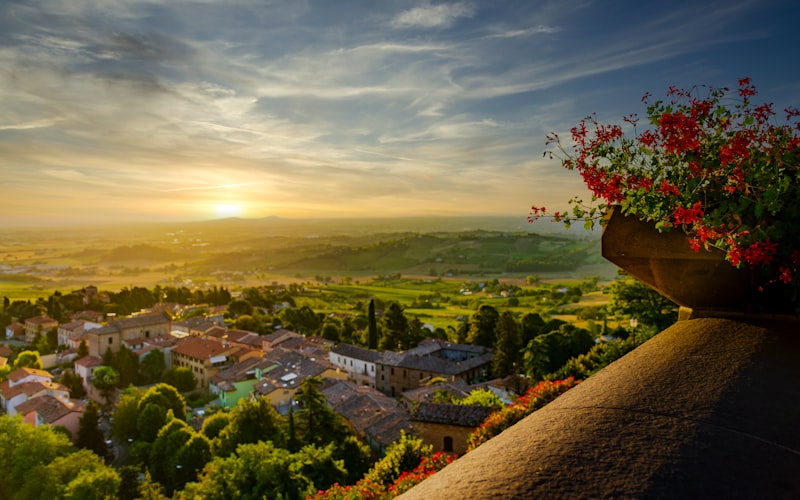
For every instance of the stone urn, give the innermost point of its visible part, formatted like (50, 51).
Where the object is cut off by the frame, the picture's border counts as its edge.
(702, 283)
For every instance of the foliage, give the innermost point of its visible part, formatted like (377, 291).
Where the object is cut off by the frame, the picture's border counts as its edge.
(181, 378)
(630, 298)
(28, 359)
(317, 422)
(90, 436)
(261, 470)
(709, 162)
(178, 454)
(167, 397)
(126, 414)
(74, 383)
(251, 422)
(481, 397)
(105, 379)
(507, 346)
(482, 326)
(547, 353)
(213, 424)
(152, 366)
(536, 397)
(40, 463)
(367, 488)
(401, 456)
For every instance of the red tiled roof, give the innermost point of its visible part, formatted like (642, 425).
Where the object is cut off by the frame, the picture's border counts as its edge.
(21, 373)
(201, 348)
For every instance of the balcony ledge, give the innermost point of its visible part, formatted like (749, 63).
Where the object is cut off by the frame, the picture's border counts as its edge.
(709, 408)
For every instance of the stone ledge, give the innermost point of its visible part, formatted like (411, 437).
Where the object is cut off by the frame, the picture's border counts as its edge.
(708, 408)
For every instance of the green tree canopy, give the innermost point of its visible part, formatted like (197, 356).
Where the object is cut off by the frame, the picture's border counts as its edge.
(106, 379)
(90, 436)
(181, 378)
(152, 366)
(28, 359)
(251, 422)
(482, 326)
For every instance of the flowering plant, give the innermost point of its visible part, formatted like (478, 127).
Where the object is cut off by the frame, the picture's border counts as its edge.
(709, 162)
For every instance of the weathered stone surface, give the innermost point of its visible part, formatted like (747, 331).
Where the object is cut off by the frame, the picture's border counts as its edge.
(709, 408)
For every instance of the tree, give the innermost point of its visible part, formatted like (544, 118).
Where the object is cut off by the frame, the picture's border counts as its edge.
(105, 379)
(630, 298)
(126, 415)
(26, 448)
(83, 350)
(318, 423)
(251, 422)
(152, 366)
(181, 378)
(257, 470)
(213, 425)
(149, 421)
(482, 326)
(482, 397)
(401, 456)
(507, 346)
(74, 383)
(28, 359)
(240, 307)
(167, 397)
(126, 362)
(357, 458)
(395, 329)
(372, 336)
(178, 454)
(90, 436)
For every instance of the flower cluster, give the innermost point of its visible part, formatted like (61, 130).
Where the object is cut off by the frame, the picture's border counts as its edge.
(367, 489)
(710, 162)
(533, 399)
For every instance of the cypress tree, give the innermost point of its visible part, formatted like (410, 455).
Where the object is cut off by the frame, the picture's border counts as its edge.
(373, 327)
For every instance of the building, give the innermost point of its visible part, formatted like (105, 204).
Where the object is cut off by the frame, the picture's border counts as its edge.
(376, 418)
(51, 410)
(27, 383)
(38, 325)
(204, 357)
(238, 381)
(111, 336)
(399, 372)
(359, 363)
(74, 330)
(280, 383)
(15, 330)
(447, 427)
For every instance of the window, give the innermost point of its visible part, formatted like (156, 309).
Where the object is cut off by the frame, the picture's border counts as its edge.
(110, 340)
(448, 444)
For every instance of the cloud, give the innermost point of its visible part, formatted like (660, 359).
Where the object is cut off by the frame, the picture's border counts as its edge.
(433, 16)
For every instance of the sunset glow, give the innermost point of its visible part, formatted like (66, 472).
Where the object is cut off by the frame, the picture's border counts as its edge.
(224, 210)
(342, 109)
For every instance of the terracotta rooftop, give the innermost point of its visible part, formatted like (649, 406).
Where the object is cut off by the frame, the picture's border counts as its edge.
(41, 320)
(50, 408)
(21, 373)
(89, 361)
(202, 348)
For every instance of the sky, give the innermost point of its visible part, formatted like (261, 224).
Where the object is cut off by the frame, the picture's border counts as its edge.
(116, 111)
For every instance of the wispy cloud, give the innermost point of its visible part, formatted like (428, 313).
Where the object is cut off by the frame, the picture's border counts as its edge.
(433, 16)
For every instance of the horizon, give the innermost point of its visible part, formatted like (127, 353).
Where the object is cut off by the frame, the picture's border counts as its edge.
(137, 113)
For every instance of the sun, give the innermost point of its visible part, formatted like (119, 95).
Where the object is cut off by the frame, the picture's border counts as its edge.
(228, 210)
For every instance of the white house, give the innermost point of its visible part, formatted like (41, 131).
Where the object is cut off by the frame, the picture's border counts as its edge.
(359, 363)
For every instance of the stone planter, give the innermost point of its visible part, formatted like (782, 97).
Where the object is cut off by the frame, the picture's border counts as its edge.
(697, 281)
